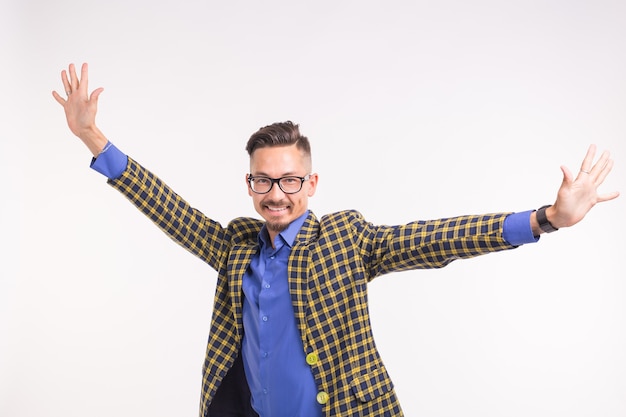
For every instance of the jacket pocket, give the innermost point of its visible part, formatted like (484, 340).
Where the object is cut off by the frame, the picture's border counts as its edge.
(372, 384)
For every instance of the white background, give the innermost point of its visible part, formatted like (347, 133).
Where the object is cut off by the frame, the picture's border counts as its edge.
(415, 110)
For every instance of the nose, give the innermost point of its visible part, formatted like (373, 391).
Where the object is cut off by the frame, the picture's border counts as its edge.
(275, 191)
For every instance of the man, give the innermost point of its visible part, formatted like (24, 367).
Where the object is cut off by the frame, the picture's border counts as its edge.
(290, 333)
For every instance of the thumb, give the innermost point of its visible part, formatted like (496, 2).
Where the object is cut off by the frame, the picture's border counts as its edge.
(568, 178)
(95, 94)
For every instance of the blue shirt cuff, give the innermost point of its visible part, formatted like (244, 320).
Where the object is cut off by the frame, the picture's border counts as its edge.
(111, 162)
(516, 229)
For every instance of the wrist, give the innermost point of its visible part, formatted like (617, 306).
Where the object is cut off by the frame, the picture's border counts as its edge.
(543, 217)
(94, 139)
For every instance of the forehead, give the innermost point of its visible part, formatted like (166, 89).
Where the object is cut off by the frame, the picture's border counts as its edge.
(276, 161)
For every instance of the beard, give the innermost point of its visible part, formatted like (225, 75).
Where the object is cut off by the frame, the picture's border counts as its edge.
(276, 226)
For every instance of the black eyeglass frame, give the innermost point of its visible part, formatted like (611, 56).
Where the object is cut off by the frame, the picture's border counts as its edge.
(277, 181)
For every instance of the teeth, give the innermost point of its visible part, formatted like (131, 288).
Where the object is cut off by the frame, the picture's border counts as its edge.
(276, 208)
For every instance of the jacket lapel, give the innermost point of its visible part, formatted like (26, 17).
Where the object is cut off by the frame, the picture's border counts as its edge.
(298, 270)
(240, 258)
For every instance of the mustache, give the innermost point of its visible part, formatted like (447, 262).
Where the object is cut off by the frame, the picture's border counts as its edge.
(270, 202)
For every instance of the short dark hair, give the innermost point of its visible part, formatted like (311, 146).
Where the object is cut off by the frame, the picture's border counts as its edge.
(278, 134)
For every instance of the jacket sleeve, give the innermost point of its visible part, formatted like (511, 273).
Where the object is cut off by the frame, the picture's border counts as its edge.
(427, 244)
(188, 227)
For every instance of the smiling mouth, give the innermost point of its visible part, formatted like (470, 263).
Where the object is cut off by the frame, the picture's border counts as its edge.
(274, 209)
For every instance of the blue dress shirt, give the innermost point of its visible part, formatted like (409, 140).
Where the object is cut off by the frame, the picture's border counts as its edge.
(281, 382)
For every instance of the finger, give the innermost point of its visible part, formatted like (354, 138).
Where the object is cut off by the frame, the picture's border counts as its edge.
(587, 164)
(73, 78)
(608, 196)
(58, 98)
(601, 163)
(84, 78)
(66, 82)
(606, 169)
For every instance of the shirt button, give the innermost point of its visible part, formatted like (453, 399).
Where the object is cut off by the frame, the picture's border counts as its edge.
(267, 285)
(322, 397)
(264, 318)
(265, 354)
(311, 359)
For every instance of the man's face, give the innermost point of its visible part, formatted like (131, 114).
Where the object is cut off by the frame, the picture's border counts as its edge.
(277, 208)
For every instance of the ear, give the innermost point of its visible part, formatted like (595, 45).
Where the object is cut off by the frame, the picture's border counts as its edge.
(248, 185)
(313, 179)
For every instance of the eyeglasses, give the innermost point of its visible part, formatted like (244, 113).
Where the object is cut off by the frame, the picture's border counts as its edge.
(288, 185)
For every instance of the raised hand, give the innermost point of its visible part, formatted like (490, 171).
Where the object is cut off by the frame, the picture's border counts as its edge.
(81, 108)
(577, 196)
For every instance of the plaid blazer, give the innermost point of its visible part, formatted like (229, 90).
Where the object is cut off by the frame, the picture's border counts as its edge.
(330, 264)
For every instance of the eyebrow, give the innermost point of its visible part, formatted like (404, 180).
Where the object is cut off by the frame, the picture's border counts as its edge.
(286, 174)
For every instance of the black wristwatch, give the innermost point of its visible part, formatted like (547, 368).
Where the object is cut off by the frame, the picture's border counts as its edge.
(544, 224)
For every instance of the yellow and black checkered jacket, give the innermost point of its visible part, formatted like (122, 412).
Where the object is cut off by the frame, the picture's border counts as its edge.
(330, 265)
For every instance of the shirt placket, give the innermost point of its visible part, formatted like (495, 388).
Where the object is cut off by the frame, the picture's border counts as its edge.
(266, 335)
